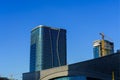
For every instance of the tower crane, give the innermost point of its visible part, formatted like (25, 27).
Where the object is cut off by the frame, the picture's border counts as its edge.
(102, 44)
(102, 35)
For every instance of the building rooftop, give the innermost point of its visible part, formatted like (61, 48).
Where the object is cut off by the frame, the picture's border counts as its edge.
(100, 68)
(43, 26)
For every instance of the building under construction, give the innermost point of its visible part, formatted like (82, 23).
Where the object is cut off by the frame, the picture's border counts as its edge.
(102, 47)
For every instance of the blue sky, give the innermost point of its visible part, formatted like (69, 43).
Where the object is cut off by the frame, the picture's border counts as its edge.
(83, 19)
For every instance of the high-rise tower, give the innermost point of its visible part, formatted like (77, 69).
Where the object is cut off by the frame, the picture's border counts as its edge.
(48, 48)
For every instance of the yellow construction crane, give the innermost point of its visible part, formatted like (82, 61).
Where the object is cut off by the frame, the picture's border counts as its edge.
(103, 44)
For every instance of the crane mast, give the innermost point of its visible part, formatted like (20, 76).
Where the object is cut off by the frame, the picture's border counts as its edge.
(102, 44)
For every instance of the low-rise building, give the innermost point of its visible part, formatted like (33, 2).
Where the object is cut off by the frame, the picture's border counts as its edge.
(3, 78)
(95, 69)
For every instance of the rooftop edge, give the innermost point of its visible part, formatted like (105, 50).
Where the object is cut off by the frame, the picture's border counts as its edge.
(42, 26)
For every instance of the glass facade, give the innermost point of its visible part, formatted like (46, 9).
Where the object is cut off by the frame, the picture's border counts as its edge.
(48, 48)
(96, 51)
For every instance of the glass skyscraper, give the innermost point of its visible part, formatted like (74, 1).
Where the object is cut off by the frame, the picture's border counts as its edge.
(48, 48)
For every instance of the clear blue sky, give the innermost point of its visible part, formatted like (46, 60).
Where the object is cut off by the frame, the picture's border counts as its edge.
(83, 19)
